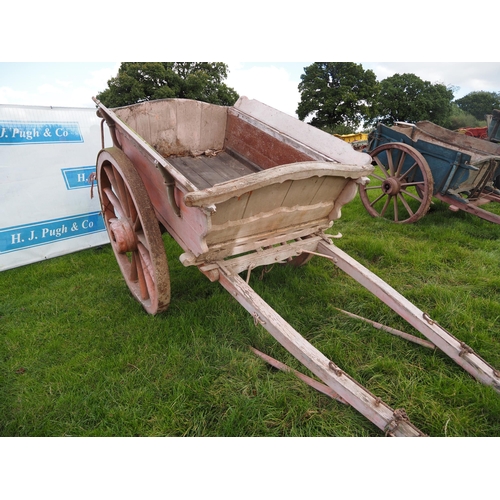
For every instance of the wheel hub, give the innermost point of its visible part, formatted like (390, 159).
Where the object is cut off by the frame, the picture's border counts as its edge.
(123, 235)
(391, 186)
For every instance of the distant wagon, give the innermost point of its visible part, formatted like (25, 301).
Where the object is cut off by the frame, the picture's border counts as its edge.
(418, 162)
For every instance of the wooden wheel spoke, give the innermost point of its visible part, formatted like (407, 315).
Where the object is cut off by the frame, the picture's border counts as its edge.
(382, 167)
(377, 199)
(141, 278)
(386, 204)
(132, 210)
(373, 188)
(133, 268)
(411, 195)
(122, 192)
(147, 265)
(400, 164)
(405, 203)
(108, 169)
(411, 170)
(396, 209)
(416, 183)
(141, 238)
(381, 179)
(117, 206)
(136, 224)
(390, 163)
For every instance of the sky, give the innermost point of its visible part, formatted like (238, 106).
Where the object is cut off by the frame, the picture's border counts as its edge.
(72, 84)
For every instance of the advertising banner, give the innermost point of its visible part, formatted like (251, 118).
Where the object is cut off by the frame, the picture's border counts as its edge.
(46, 158)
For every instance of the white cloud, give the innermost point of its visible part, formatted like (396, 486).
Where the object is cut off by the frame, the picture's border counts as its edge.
(47, 89)
(270, 84)
(76, 90)
(99, 78)
(465, 76)
(11, 96)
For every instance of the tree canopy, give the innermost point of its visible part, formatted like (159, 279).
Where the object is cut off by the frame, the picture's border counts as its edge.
(408, 98)
(479, 103)
(145, 81)
(337, 93)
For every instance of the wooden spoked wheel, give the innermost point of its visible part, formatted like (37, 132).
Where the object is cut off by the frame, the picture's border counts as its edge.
(401, 187)
(133, 230)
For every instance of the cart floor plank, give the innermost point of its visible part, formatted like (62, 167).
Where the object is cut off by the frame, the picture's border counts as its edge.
(206, 171)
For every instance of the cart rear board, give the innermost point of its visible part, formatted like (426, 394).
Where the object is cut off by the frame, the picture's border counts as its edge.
(240, 187)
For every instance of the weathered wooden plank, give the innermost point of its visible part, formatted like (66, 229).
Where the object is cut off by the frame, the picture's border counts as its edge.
(206, 171)
(330, 188)
(309, 140)
(258, 146)
(239, 246)
(281, 218)
(279, 174)
(232, 209)
(303, 191)
(270, 255)
(185, 165)
(223, 166)
(266, 199)
(177, 126)
(234, 166)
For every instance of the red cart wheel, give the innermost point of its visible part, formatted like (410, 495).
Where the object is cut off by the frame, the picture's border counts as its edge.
(302, 259)
(133, 230)
(401, 188)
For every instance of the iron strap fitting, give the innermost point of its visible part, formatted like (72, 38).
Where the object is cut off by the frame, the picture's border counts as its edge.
(335, 369)
(428, 319)
(465, 349)
(399, 416)
(257, 319)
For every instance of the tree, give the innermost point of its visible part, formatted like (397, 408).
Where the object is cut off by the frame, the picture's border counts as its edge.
(462, 119)
(410, 99)
(138, 82)
(479, 103)
(337, 93)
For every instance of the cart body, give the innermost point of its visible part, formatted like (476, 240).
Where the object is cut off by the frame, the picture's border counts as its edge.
(237, 180)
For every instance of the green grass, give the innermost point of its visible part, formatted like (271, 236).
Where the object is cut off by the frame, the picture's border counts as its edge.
(79, 357)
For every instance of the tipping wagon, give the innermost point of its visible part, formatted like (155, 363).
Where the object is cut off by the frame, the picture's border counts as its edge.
(240, 187)
(418, 162)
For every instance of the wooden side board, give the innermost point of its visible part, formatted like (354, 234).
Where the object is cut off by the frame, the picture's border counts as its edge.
(312, 141)
(432, 133)
(177, 126)
(259, 146)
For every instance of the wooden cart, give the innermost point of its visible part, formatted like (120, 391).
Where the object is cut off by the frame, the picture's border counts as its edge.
(418, 162)
(239, 187)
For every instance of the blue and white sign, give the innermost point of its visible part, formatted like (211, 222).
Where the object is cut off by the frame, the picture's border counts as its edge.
(13, 239)
(78, 177)
(17, 133)
(47, 157)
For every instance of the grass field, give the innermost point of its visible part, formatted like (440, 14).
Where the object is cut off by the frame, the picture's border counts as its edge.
(81, 358)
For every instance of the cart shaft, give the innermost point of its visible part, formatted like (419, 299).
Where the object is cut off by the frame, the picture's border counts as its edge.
(460, 352)
(393, 422)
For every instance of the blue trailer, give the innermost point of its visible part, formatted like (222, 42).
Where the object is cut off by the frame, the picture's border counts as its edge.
(416, 162)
